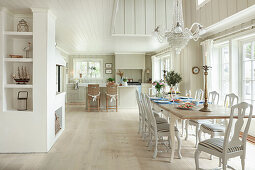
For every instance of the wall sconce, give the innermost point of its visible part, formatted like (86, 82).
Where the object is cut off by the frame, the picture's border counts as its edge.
(148, 71)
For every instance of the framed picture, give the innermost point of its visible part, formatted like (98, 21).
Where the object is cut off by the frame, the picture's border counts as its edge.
(108, 65)
(108, 71)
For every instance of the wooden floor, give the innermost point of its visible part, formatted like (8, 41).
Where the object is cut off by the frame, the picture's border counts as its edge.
(108, 141)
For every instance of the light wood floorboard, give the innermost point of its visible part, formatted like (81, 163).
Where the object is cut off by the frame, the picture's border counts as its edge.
(108, 141)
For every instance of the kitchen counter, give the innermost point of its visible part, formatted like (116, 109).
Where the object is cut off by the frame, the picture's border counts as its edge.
(126, 95)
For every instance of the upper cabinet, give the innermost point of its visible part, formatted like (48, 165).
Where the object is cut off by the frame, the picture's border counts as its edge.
(129, 61)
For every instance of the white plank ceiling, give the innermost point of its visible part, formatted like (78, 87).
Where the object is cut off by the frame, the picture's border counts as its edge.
(140, 17)
(85, 26)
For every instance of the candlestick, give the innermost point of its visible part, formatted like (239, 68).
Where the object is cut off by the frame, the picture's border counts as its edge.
(205, 108)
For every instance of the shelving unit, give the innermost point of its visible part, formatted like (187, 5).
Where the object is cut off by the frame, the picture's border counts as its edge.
(13, 44)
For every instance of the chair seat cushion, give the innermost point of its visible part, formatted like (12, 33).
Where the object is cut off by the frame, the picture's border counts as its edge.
(213, 127)
(199, 121)
(217, 144)
(160, 120)
(165, 127)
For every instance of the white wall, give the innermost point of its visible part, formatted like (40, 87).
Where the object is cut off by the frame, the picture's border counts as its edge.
(129, 61)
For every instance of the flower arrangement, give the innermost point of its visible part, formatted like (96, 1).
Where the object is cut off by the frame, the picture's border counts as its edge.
(158, 85)
(125, 79)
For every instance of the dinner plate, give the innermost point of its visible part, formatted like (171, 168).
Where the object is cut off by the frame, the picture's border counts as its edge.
(162, 101)
(181, 108)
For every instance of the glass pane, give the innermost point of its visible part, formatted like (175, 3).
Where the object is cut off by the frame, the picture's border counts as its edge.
(247, 89)
(225, 72)
(94, 69)
(225, 87)
(247, 70)
(253, 63)
(225, 54)
(247, 51)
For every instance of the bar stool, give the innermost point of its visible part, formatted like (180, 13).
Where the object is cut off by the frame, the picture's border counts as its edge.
(112, 94)
(93, 96)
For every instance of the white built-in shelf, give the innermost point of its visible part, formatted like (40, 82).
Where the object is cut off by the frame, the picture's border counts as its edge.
(19, 86)
(19, 34)
(19, 60)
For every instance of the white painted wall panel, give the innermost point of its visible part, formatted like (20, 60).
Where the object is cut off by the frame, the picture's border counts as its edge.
(241, 4)
(140, 17)
(251, 2)
(208, 11)
(150, 16)
(129, 17)
(169, 13)
(160, 13)
(215, 11)
(223, 9)
(232, 7)
(119, 23)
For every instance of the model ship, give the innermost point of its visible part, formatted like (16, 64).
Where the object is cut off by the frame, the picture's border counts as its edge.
(22, 77)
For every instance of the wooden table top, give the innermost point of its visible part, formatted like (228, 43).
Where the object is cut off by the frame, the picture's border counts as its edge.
(218, 112)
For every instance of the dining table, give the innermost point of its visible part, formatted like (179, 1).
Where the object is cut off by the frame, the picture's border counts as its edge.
(173, 113)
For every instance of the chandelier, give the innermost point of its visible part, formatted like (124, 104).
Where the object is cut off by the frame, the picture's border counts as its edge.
(178, 36)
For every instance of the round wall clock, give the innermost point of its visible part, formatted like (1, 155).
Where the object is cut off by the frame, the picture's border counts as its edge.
(195, 70)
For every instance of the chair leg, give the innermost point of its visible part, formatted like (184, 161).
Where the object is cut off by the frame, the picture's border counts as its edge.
(98, 104)
(187, 129)
(197, 154)
(183, 122)
(224, 163)
(199, 135)
(116, 104)
(211, 156)
(106, 103)
(88, 104)
(177, 134)
(156, 146)
(243, 162)
(197, 129)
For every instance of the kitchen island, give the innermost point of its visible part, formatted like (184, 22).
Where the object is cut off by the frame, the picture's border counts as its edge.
(126, 95)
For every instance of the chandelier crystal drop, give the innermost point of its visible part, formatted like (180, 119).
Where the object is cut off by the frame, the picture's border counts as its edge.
(178, 36)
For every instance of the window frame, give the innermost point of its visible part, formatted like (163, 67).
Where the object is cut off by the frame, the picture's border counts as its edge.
(75, 60)
(242, 75)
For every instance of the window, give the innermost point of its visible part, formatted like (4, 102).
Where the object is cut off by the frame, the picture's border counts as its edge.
(248, 72)
(201, 3)
(88, 68)
(220, 70)
(160, 63)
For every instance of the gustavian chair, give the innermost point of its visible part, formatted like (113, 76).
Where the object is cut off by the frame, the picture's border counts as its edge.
(93, 96)
(199, 95)
(112, 96)
(140, 118)
(231, 146)
(214, 96)
(217, 129)
(159, 130)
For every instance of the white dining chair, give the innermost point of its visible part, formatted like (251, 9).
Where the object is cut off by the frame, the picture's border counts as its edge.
(232, 145)
(199, 95)
(218, 129)
(214, 99)
(140, 118)
(160, 130)
(145, 118)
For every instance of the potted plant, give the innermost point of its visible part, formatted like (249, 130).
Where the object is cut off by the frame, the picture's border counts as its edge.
(173, 79)
(110, 80)
(125, 81)
(158, 86)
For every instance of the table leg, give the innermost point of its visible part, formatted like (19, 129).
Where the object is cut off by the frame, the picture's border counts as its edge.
(172, 136)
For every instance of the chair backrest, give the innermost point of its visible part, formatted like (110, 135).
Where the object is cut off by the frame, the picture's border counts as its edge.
(230, 100)
(232, 140)
(143, 106)
(214, 97)
(152, 91)
(93, 89)
(112, 89)
(199, 94)
(151, 118)
(138, 100)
